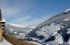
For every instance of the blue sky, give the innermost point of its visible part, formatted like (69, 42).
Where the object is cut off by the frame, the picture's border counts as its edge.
(31, 12)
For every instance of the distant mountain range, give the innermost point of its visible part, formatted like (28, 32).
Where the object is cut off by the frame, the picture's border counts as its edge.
(18, 27)
(17, 30)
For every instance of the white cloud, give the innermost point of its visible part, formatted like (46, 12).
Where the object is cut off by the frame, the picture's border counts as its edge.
(29, 23)
(33, 22)
(22, 19)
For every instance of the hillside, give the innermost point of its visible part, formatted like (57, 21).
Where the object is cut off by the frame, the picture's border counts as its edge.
(50, 28)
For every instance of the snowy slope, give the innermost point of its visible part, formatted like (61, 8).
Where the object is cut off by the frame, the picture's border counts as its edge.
(49, 28)
(55, 19)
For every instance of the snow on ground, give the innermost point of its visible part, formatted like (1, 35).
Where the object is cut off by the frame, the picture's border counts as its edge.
(34, 42)
(5, 42)
(67, 10)
(67, 19)
(45, 31)
(48, 31)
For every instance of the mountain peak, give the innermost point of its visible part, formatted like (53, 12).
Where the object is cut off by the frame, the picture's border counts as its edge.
(67, 10)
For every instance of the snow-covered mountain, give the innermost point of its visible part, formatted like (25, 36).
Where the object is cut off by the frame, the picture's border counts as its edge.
(49, 28)
(55, 19)
(18, 27)
(17, 30)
